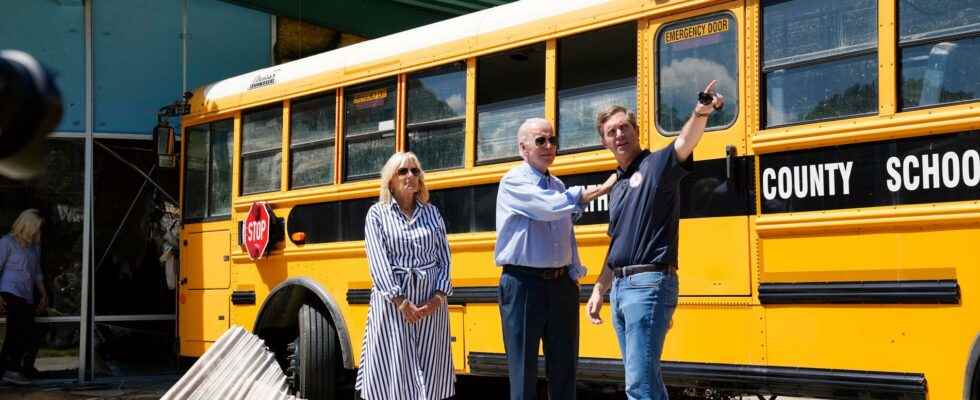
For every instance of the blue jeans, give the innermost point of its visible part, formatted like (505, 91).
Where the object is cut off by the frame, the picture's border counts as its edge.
(642, 306)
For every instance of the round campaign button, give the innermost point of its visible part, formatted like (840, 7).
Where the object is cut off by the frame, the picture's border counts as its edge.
(636, 179)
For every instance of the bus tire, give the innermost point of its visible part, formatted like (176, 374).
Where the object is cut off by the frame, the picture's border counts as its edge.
(975, 385)
(316, 354)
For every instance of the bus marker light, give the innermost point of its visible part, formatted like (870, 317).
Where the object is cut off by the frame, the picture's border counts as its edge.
(298, 237)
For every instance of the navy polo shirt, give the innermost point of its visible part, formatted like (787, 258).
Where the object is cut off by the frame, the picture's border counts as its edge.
(644, 209)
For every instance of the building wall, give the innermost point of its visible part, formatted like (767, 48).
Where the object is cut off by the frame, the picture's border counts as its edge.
(144, 55)
(52, 31)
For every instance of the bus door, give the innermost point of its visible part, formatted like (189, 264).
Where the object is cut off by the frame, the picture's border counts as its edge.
(688, 51)
(205, 262)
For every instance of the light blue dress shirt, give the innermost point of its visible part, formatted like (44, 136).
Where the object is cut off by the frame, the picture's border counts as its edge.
(534, 221)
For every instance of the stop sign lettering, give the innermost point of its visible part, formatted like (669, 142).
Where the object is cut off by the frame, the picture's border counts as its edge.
(255, 232)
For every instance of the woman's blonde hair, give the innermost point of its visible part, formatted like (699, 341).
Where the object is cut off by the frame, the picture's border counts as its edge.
(27, 227)
(389, 171)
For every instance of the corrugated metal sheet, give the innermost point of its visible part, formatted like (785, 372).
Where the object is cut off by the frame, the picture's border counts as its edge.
(237, 366)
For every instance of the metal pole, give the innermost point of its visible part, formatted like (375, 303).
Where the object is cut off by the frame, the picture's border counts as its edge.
(84, 329)
(183, 47)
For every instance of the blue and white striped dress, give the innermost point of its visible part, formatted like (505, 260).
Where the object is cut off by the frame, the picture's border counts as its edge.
(407, 257)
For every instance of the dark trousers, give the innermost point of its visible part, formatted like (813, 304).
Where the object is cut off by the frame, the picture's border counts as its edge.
(20, 328)
(531, 309)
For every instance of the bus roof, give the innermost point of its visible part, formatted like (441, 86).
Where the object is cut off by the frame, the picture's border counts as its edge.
(484, 31)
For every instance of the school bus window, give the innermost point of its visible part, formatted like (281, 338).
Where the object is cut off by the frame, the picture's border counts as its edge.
(334, 221)
(595, 70)
(691, 53)
(219, 172)
(261, 150)
(369, 128)
(353, 213)
(207, 170)
(436, 116)
(312, 124)
(467, 209)
(939, 44)
(509, 90)
(820, 60)
(196, 171)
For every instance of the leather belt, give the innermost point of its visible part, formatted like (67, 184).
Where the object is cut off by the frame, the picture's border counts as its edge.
(543, 273)
(628, 270)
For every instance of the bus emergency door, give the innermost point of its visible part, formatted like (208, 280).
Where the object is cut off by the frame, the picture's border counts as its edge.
(688, 51)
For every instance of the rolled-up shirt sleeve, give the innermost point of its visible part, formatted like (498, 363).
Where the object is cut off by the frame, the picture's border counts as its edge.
(527, 199)
(383, 277)
(443, 282)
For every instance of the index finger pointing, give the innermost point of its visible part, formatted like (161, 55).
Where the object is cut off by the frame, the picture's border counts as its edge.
(711, 86)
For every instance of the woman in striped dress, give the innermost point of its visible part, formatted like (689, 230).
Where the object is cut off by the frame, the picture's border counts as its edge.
(406, 344)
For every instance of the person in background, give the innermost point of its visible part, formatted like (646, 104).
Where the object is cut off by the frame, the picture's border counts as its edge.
(20, 276)
(406, 353)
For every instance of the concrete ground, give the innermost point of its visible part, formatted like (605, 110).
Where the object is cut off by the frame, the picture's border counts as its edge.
(142, 390)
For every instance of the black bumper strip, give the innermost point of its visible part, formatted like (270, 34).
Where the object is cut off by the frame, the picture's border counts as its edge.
(788, 381)
(463, 295)
(244, 297)
(358, 296)
(897, 292)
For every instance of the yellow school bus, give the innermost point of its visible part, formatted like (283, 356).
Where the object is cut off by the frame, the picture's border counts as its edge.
(830, 232)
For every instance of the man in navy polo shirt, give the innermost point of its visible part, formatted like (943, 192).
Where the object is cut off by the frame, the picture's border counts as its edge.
(643, 225)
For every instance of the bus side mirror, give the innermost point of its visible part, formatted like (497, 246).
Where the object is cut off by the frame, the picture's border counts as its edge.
(163, 140)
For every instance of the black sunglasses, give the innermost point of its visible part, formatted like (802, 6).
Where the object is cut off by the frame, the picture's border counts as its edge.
(539, 141)
(403, 171)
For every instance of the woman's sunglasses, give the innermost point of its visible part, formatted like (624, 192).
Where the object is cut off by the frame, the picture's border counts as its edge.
(403, 171)
(540, 140)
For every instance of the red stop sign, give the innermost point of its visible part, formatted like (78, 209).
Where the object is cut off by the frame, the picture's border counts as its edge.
(255, 230)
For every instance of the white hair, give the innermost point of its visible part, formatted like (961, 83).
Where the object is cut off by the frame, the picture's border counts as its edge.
(525, 131)
(27, 227)
(395, 162)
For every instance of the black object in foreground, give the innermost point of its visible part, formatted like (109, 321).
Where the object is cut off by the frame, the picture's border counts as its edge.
(30, 107)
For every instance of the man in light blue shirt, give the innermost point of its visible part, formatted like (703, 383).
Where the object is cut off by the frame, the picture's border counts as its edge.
(536, 247)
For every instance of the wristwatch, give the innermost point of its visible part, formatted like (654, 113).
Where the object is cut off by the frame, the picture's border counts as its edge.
(699, 115)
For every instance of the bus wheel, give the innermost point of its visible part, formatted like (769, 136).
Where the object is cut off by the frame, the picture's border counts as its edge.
(975, 391)
(314, 366)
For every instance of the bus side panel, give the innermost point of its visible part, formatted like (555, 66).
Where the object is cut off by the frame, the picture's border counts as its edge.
(204, 318)
(204, 281)
(457, 337)
(933, 339)
(714, 333)
(714, 257)
(259, 277)
(205, 260)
